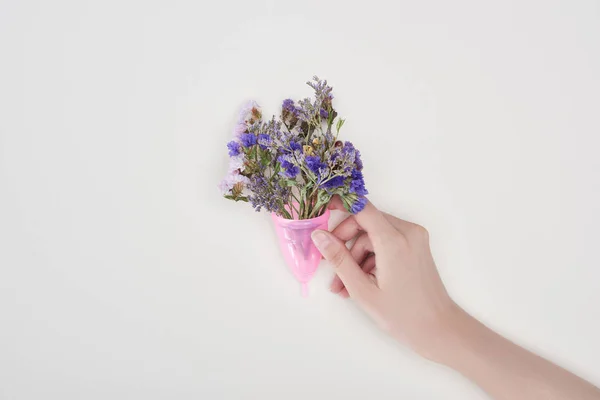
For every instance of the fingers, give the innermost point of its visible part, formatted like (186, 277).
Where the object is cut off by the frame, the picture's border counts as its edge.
(370, 220)
(367, 264)
(357, 283)
(347, 229)
(359, 252)
(361, 249)
(336, 204)
(400, 224)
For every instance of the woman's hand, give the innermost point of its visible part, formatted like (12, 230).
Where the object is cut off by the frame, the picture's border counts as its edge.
(390, 272)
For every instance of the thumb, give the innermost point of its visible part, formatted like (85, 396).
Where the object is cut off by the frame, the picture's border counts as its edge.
(357, 283)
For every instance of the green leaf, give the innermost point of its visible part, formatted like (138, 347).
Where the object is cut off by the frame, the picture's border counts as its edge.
(236, 199)
(289, 182)
(340, 123)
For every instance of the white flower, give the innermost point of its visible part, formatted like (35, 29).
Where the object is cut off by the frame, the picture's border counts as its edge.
(239, 129)
(236, 163)
(234, 177)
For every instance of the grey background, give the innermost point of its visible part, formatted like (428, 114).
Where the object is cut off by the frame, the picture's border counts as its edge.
(124, 275)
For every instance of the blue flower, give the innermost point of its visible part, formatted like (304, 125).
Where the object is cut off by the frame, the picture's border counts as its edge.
(324, 113)
(358, 160)
(357, 184)
(314, 164)
(234, 148)
(248, 139)
(264, 140)
(288, 169)
(295, 146)
(348, 148)
(333, 183)
(292, 171)
(358, 205)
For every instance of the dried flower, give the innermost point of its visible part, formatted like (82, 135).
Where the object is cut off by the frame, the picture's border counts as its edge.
(293, 165)
(234, 148)
(248, 139)
(308, 150)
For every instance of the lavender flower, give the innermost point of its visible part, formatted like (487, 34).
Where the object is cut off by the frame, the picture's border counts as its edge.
(234, 148)
(248, 139)
(289, 106)
(324, 113)
(266, 195)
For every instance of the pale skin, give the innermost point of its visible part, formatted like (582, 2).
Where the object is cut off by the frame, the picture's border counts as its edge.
(400, 289)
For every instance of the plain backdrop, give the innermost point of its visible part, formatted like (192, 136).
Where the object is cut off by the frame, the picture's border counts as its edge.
(125, 275)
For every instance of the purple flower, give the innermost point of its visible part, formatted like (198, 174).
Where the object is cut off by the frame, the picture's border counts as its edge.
(358, 160)
(292, 171)
(248, 139)
(358, 205)
(324, 113)
(288, 105)
(264, 140)
(333, 183)
(288, 169)
(315, 165)
(357, 184)
(348, 148)
(234, 148)
(295, 146)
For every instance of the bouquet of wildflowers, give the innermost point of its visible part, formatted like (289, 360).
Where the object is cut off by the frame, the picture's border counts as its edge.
(292, 165)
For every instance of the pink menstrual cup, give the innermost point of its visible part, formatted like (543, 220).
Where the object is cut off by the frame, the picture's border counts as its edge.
(297, 247)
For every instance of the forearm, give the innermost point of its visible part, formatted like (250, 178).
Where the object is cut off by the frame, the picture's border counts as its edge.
(505, 370)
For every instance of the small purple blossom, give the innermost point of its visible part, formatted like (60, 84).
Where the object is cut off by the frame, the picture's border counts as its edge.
(314, 164)
(358, 160)
(264, 140)
(295, 146)
(289, 106)
(332, 183)
(234, 148)
(248, 139)
(358, 205)
(292, 171)
(357, 184)
(348, 148)
(324, 113)
(288, 168)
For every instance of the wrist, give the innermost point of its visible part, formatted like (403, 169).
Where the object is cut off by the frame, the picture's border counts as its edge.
(452, 337)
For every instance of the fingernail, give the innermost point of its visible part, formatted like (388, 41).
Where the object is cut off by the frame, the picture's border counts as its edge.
(321, 240)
